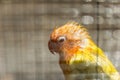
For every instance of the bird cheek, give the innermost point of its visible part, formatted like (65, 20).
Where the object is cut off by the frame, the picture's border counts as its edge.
(84, 43)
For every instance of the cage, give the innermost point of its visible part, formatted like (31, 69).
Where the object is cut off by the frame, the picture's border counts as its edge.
(25, 27)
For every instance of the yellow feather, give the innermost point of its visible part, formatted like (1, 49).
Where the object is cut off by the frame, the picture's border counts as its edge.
(93, 62)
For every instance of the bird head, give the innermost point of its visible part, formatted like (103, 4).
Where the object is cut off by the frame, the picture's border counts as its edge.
(68, 38)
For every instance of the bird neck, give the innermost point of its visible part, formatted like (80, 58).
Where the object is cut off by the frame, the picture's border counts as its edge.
(67, 55)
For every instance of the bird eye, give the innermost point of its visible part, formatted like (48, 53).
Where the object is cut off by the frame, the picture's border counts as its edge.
(61, 39)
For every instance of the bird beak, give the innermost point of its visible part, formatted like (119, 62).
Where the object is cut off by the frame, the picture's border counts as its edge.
(51, 47)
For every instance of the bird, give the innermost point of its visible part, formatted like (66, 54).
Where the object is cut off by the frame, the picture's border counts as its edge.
(79, 56)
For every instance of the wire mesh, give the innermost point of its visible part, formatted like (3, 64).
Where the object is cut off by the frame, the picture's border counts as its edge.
(25, 26)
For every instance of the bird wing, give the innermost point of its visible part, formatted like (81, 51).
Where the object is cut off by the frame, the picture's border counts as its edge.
(93, 66)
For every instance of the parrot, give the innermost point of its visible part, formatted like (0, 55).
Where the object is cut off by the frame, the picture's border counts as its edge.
(79, 56)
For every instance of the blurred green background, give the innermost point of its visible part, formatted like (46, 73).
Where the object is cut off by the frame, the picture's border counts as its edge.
(25, 26)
